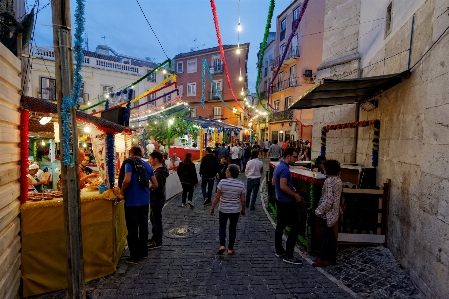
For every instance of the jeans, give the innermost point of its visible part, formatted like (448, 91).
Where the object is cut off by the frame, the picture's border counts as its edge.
(223, 219)
(235, 161)
(187, 192)
(328, 242)
(137, 224)
(252, 188)
(210, 186)
(287, 216)
(156, 206)
(245, 161)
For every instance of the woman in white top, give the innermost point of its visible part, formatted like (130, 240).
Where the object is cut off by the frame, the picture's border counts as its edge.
(231, 195)
(33, 180)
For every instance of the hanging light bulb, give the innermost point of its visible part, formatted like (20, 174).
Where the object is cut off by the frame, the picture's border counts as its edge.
(240, 78)
(88, 103)
(238, 50)
(84, 145)
(87, 129)
(239, 28)
(155, 122)
(43, 142)
(164, 71)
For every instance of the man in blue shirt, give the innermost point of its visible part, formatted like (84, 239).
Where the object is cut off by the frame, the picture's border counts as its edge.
(136, 191)
(286, 199)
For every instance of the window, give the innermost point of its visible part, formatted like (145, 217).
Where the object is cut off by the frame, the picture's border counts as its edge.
(48, 89)
(218, 85)
(107, 89)
(216, 64)
(167, 98)
(283, 29)
(280, 79)
(191, 66)
(179, 67)
(388, 19)
(217, 113)
(180, 90)
(294, 46)
(270, 58)
(191, 89)
(150, 98)
(265, 71)
(193, 112)
(287, 102)
(292, 78)
(152, 77)
(282, 49)
(276, 104)
(136, 103)
(295, 15)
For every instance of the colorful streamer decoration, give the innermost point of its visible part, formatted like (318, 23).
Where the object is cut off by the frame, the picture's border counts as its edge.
(287, 46)
(24, 144)
(172, 77)
(160, 115)
(177, 99)
(110, 157)
(262, 51)
(203, 81)
(375, 150)
(220, 44)
(323, 143)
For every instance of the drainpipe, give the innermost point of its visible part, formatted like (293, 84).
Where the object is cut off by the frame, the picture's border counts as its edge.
(411, 42)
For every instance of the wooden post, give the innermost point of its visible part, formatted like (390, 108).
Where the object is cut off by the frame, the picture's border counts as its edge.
(62, 41)
(201, 143)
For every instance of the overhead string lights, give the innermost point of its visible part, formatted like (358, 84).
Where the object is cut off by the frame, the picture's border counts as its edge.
(220, 44)
(287, 46)
(262, 52)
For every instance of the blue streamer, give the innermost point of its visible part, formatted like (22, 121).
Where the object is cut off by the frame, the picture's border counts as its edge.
(203, 82)
(110, 157)
(127, 112)
(67, 156)
(106, 106)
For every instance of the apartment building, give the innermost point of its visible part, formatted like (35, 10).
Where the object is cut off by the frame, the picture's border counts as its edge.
(297, 71)
(104, 71)
(188, 67)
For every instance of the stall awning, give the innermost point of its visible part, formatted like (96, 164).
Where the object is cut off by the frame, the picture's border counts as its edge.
(347, 91)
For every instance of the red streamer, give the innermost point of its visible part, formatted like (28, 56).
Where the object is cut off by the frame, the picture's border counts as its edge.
(220, 44)
(24, 143)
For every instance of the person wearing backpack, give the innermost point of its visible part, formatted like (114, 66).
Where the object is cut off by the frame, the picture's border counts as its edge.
(134, 182)
(157, 199)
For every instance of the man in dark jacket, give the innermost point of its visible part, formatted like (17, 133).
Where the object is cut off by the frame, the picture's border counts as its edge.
(208, 172)
(222, 151)
(157, 199)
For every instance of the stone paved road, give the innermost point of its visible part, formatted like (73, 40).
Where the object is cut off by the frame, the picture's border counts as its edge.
(189, 267)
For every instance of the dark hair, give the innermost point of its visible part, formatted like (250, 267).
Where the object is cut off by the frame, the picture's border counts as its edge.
(275, 141)
(136, 150)
(223, 156)
(208, 149)
(156, 155)
(332, 167)
(216, 144)
(254, 154)
(223, 144)
(234, 170)
(289, 151)
(187, 159)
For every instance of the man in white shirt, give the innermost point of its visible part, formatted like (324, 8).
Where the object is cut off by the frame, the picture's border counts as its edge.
(235, 150)
(253, 172)
(150, 147)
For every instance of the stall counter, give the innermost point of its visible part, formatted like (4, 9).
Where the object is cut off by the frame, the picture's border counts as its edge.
(44, 246)
(181, 152)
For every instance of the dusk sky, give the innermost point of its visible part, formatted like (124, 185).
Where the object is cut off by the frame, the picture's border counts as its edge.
(179, 24)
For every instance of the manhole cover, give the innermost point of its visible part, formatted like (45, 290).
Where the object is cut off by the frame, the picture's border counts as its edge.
(183, 231)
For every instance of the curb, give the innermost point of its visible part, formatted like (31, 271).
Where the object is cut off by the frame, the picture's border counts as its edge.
(306, 256)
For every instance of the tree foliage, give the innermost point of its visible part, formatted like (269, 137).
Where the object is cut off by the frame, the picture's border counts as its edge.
(158, 129)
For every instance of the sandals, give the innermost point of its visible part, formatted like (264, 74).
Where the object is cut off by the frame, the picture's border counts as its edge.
(221, 251)
(230, 252)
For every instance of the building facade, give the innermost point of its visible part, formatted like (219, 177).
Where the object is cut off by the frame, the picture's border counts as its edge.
(297, 72)
(364, 39)
(188, 67)
(104, 71)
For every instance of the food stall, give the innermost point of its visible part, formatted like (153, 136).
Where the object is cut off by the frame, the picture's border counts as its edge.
(102, 217)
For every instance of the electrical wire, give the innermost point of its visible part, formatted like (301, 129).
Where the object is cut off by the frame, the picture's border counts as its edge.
(444, 32)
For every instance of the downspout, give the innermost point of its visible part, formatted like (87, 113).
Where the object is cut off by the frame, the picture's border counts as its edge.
(411, 42)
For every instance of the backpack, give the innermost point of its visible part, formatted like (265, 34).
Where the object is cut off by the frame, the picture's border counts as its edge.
(139, 167)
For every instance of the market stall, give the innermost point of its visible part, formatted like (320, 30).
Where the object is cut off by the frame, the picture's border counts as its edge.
(102, 218)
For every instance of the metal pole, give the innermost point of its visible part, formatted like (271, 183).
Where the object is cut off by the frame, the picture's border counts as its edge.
(169, 133)
(411, 41)
(62, 41)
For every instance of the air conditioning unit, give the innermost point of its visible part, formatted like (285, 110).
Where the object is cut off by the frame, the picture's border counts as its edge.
(308, 74)
(309, 77)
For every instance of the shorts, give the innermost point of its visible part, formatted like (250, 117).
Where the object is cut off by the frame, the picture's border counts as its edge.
(265, 150)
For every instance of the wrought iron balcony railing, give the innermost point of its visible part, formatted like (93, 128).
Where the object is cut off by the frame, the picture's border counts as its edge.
(281, 115)
(290, 82)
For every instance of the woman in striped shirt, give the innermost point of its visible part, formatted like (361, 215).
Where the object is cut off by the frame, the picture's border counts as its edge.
(231, 195)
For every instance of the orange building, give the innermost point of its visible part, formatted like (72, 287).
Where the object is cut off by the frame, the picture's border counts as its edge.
(188, 67)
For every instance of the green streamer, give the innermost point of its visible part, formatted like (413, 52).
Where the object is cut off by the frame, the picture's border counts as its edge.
(262, 52)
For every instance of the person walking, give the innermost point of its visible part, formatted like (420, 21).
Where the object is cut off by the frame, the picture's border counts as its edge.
(135, 175)
(235, 150)
(266, 148)
(275, 151)
(157, 199)
(231, 195)
(208, 172)
(189, 179)
(328, 211)
(253, 172)
(222, 167)
(246, 155)
(286, 198)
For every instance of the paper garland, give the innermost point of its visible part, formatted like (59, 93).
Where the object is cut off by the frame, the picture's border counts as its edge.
(220, 45)
(287, 46)
(160, 115)
(156, 107)
(262, 51)
(24, 144)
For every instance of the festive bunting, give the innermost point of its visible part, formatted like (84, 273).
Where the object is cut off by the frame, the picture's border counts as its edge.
(155, 99)
(220, 44)
(161, 115)
(156, 107)
(287, 47)
(24, 144)
(262, 51)
(172, 77)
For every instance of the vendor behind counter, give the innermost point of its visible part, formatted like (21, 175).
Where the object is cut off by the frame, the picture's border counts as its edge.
(33, 180)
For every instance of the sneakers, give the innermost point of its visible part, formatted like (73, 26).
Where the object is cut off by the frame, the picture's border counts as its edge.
(206, 201)
(279, 254)
(154, 245)
(190, 203)
(182, 205)
(252, 208)
(320, 263)
(131, 261)
(292, 260)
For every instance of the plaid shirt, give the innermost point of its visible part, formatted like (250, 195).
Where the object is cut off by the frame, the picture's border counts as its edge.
(329, 206)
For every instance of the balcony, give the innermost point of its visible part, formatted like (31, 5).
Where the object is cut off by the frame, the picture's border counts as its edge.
(291, 56)
(215, 96)
(216, 69)
(286, 115)
(289, 83)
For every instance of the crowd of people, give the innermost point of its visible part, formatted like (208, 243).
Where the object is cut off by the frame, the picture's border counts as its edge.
(143, 187)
